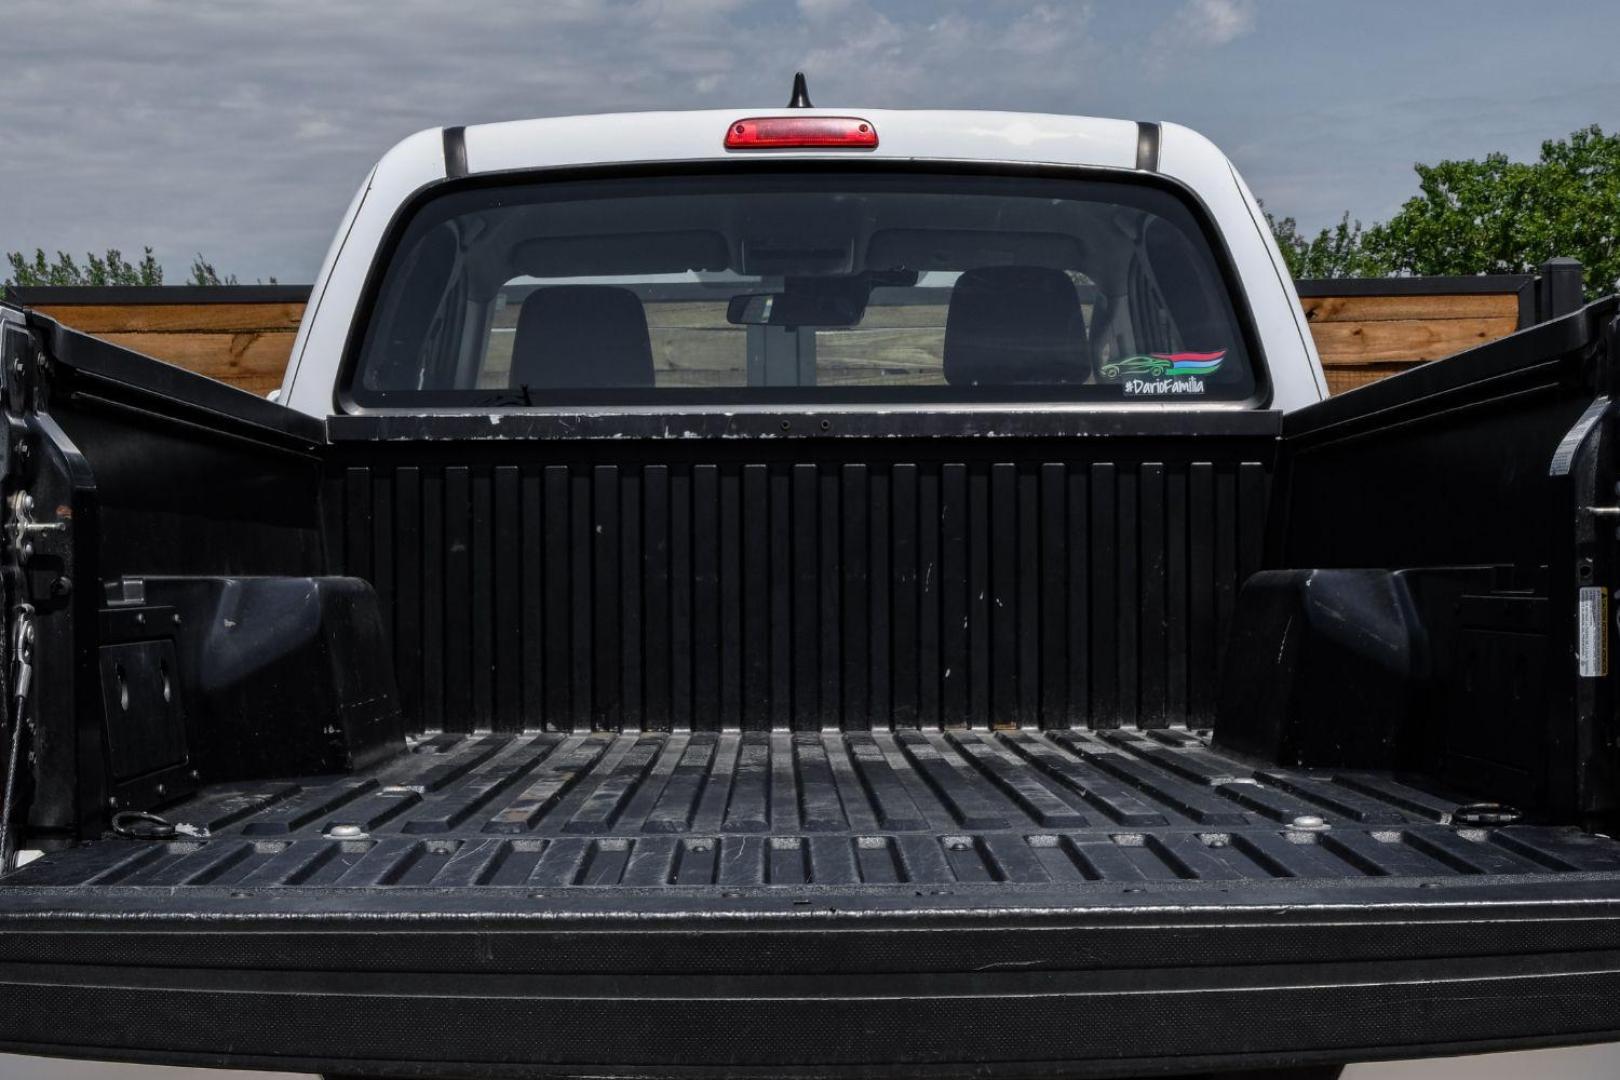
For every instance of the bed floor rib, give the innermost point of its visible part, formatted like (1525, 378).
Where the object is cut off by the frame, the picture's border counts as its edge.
(723, 810)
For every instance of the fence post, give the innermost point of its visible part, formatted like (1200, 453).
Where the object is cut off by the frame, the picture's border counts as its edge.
(1560, 289)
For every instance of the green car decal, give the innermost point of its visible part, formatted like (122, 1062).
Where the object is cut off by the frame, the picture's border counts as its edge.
(1165, 365)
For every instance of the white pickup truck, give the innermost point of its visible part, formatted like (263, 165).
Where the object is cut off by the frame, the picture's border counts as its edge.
(808, 593)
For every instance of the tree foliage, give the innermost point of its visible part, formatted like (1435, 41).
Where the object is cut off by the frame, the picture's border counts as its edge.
(1490, 216)
(203, 273)
(109, 269)
(1504, 217)
(1332, 253)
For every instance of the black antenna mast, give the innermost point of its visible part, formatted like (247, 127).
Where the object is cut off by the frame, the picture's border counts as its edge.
(801, 94)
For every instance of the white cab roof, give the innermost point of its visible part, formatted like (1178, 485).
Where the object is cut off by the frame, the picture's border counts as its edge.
(695, 136)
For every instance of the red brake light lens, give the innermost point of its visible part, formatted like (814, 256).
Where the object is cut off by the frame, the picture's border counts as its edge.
(801, 133)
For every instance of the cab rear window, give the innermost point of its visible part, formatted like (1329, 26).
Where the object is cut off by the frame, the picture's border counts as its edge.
(813, 287)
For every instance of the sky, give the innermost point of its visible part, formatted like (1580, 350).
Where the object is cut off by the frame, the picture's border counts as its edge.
(239, 130)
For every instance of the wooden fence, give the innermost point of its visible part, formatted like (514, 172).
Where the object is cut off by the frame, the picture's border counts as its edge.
(1368, 329)
(240, 334)
(1365, 329)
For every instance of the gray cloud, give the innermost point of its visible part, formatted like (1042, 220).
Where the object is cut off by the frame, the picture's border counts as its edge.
(240, 129)
(1215, 22)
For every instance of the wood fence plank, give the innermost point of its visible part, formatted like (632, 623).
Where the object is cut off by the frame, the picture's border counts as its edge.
(175, 318)
(1340, 379)
(252, 361)
(1382, 342)
(1418, 308)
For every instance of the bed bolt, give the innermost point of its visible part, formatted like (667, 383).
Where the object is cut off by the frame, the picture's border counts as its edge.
(345, 832)
(1486, 814)
(1309, 821)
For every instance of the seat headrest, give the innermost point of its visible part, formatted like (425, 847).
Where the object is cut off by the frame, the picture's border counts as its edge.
(582, 337)
(1010, 325)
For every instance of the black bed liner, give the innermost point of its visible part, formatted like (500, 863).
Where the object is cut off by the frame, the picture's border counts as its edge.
(1009, 810)
(932, 904)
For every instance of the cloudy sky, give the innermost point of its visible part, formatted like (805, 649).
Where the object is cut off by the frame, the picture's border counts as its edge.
(240, 129)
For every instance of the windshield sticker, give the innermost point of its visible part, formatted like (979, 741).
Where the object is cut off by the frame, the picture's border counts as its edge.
(1164, 373)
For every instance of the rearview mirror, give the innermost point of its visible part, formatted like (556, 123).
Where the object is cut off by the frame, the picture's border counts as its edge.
(795, 309)
(751, 309)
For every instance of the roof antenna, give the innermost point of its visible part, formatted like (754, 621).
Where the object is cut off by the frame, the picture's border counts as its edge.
(801, 94)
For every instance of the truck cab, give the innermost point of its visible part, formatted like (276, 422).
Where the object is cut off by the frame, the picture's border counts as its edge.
(852, 235)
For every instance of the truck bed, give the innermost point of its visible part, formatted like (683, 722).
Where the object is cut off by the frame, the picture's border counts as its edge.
(538, 904)
(1040, 865)
(870, 813)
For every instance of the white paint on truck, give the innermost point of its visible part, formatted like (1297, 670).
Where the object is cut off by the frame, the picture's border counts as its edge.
(528, 146)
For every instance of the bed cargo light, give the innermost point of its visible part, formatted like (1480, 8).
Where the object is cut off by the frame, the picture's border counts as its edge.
(801, 133)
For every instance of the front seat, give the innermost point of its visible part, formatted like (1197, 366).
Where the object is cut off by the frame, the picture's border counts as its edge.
(1015, 325)
(582, 337)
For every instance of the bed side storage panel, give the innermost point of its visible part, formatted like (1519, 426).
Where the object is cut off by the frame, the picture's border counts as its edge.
(1476, 495)
(1322, 668)
(283, 676)
(202, 639)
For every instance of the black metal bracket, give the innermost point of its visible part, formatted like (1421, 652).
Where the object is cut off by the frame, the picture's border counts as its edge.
(149, 759)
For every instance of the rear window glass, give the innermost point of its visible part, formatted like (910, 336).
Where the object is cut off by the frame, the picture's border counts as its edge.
(807, 287)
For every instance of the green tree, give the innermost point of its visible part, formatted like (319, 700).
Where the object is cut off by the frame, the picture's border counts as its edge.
(1338, 252)
(203, 273)
(1497, 216)
(1486, 216)
(109, 269)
